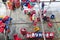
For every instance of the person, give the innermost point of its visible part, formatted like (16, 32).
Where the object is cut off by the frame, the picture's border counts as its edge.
(45, 18)
(42, 5)
(16, 37)
(22, 5)
(23, 31)
(4, 1)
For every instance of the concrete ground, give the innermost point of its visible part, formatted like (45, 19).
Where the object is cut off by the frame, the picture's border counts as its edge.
(20, 20)
(19, 17)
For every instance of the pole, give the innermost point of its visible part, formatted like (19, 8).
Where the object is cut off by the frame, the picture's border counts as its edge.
(42, 23)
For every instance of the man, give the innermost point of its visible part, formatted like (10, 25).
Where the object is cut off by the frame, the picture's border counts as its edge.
(44, 17)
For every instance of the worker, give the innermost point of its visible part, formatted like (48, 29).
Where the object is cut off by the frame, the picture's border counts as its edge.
(44, 17)
(22, 5)
(50, 24)
(23, 31)
(17, 3)
(9, 5)
(42, 5)
(45, 11)
(16, 37)
(38, 19)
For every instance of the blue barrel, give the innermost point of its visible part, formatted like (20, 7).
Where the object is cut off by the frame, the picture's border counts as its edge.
(36, 35)
(52, 16)
(40, 34)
